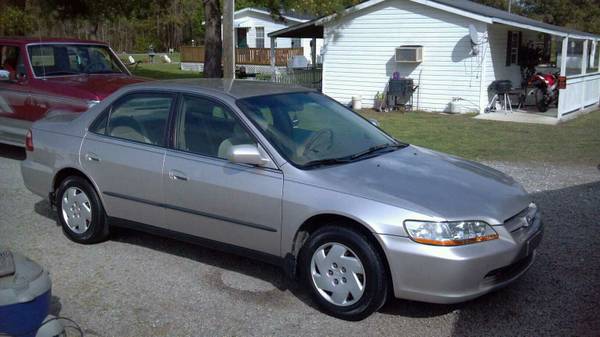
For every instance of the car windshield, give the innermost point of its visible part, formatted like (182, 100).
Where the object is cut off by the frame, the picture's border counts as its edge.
(72, 59)
(310, 130)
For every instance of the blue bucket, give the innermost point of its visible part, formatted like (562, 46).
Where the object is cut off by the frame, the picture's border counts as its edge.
(25, 295)
(24, 319)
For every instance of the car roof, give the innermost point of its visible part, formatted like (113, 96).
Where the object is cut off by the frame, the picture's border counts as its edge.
(233, 88)
(28, 40)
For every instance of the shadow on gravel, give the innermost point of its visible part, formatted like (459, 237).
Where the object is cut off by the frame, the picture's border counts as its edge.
(12, 152)
(559, 295)
(43, 208)
(222, 260)
(55, 306)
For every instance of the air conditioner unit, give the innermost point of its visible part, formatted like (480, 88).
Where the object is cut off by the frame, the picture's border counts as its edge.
(409, 54)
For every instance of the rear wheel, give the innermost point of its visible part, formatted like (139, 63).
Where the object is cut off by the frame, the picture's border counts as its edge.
(80, 212)
(345, 272)
(540, 100)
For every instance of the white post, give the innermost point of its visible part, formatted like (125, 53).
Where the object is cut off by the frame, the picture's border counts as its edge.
(563, 56)
(563, 71)
(228, 40)
(584, 64)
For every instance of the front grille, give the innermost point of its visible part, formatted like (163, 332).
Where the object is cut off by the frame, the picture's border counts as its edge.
(507, 272)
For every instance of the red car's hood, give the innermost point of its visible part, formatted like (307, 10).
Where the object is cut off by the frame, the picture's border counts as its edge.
(97, 85)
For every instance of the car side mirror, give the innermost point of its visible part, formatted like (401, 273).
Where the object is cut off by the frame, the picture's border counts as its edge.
(374, 122)
(4, 75)
(247, 154)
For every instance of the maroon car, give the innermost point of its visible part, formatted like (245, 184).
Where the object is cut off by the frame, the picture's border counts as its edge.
(38, 76)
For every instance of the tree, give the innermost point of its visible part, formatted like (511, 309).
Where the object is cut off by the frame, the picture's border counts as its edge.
(213, 46)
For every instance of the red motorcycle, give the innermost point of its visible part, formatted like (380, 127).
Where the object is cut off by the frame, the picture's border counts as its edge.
(544, 87)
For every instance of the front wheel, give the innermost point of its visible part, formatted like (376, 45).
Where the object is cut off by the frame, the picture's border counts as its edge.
(345, 272)
(80, 211)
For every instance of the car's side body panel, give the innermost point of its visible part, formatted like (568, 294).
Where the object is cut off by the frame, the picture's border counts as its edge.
(218, 200)
(53, 152)
(128, 175)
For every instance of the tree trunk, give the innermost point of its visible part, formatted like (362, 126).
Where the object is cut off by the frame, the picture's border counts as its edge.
(212, 39)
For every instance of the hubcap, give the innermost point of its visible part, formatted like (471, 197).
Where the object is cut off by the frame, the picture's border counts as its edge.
(76, 210)
(338, 274)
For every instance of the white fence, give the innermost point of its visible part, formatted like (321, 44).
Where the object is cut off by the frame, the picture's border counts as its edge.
(583, 91)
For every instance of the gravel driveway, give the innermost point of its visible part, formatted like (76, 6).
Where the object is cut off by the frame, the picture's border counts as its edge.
(141, 285)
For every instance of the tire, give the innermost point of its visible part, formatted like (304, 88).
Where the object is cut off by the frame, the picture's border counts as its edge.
(337, 249)
(79, 211)
(540, 100)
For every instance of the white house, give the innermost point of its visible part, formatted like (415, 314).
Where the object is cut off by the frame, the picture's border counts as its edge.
(252, 26)
(359, 54)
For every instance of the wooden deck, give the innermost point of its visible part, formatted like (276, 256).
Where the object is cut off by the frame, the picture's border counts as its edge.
(255, 56)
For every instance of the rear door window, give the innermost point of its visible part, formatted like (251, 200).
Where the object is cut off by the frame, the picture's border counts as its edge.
(140, 118)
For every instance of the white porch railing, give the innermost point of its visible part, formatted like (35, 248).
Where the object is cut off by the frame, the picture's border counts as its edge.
(582, 91)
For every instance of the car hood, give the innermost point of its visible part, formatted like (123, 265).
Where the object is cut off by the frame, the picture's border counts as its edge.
(100, 85)
(429, 182)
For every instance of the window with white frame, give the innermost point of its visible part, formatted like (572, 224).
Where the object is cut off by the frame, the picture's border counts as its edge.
(260, 37)
(593, 56)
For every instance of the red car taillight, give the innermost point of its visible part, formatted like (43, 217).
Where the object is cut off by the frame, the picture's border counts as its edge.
(29, 141)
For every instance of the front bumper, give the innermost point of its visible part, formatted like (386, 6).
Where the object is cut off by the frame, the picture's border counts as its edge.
(456, 274)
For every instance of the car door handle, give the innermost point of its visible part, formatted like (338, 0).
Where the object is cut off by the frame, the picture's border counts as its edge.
(92, 157)
(177, 175)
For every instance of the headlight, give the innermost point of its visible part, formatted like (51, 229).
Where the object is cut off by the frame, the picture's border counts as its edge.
(455, 233)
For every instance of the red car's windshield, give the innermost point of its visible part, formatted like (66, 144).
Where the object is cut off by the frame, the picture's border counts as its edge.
(72, 59)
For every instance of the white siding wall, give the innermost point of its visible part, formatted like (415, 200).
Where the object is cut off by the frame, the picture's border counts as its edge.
(253, 20)
(359, 55)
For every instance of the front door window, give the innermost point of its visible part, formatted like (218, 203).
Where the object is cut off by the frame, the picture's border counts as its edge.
(207, 128)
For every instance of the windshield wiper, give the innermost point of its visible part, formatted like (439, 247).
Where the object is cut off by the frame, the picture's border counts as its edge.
(376, 149)
(326, 162)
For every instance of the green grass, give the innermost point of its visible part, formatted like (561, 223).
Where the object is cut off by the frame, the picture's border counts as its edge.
(577, 141)
(162, 71)
(175, 57)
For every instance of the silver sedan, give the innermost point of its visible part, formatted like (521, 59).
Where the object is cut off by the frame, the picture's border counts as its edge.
(291, 177)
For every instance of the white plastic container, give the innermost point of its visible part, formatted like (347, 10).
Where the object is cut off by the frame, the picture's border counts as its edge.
(356, 102)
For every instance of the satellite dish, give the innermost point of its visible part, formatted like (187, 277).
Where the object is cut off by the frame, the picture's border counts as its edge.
(474, 35)
(475, 40)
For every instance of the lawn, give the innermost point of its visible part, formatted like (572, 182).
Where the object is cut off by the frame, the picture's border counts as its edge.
(162, 71)
(577, 141)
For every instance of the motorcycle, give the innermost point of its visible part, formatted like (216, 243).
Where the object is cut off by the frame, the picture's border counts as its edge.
(544, 87)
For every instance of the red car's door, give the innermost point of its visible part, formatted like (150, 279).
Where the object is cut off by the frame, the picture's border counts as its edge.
(14, 91)
(15, 96)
